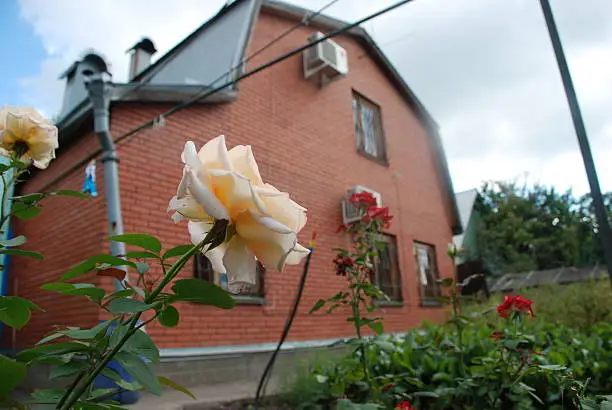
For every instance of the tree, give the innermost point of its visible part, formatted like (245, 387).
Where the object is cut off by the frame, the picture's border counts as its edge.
(534, 228)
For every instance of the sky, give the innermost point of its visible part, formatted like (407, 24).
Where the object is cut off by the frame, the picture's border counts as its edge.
(484, 68)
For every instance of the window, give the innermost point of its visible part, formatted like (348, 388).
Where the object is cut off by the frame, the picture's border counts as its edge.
(427, 271)
(203, 270)
(386, 273)
(368, 128)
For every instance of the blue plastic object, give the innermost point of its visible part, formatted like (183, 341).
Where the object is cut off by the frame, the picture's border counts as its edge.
(103, 382)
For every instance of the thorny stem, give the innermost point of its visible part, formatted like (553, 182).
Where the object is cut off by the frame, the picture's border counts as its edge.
(76, 391)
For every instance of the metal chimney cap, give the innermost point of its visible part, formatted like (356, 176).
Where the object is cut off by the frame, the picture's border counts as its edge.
(145, 45)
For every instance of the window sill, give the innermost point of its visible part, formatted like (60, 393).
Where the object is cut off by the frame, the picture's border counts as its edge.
(389, 303)
(381, 161)
(431, 303)
(249, 300)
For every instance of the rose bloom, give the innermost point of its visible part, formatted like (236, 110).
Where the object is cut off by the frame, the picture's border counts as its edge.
(404, 405)
(497, 335)
(378, 213)
(363, 199)
(515, 304)
(27, 135)
(221, 184)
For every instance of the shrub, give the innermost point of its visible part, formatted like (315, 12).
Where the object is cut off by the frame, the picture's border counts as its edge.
(433, 369)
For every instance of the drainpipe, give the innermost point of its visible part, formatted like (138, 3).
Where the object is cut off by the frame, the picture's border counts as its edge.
(99, 94)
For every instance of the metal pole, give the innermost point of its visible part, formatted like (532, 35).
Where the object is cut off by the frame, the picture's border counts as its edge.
(99, 94)
(601, 215)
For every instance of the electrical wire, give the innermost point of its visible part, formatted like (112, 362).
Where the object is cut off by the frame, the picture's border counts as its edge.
(239, 78)
(265, 377)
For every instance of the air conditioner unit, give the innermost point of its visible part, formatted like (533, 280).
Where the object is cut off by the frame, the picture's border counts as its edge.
(350, 213)
(324, 61)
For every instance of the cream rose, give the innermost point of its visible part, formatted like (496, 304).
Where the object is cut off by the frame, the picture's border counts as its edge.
(222, 184)
(26, 133)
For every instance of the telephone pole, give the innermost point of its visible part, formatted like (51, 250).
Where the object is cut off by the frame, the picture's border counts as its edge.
(601, 215)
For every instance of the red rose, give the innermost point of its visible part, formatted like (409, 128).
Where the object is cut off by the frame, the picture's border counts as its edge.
(379, 213)
(342, 264)
(497, 335)
(388, 387)
(362, 199)
(515, 304)
(404, 405)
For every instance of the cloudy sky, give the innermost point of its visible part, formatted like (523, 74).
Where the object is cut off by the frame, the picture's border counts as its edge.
(484, 68)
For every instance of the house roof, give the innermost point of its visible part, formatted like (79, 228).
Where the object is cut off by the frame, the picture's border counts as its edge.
(465, 204)
(298, 14)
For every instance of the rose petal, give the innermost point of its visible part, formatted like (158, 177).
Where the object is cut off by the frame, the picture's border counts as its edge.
(269, 246)
(243, 161)
(235, 191)
(240, 263)
(187, 207)
(190, 157)
(198, 231)
(297, 254)
(285, 210)
(204, 196)
(214, 154)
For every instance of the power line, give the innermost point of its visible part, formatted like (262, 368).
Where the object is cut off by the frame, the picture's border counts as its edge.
(207, 93)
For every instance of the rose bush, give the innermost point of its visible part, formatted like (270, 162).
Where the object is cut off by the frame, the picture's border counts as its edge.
(218, 184)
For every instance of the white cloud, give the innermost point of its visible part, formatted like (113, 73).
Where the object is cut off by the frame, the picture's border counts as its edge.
(485, 69)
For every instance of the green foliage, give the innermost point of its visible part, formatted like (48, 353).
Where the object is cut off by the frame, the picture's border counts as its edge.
(426, 367)
(578, 306)
(144, 241)
(16, 311)
(11, 374)
(534, 228)
(200, 291)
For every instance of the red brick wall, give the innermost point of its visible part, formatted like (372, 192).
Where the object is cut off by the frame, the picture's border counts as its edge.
(304, 143)
(67, 231)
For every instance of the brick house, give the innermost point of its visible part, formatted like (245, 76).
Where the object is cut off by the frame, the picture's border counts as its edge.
(365, 128)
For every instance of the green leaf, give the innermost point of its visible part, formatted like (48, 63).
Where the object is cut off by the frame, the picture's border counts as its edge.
(19, 252)
(76, 289)
(16, 311)
(169, 317)
(377, 327)
(124, 305)
(320, 303)
(446, 282)
(90, 264)
(126, 293)
(87, 334)
(144, 241)
(175, 386)
(141, 255)
(200, 291)
(25, 211)
(16, 241)
(49, 338)
(141, 344)
(384, 345)
(68, 369)
(426, 394)
(50, 350)
(177, 251)
(69, 192)
(553, 367)
(47, 396)
(28, 198)
(12, 374)
(116, 377)
(140, 371)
